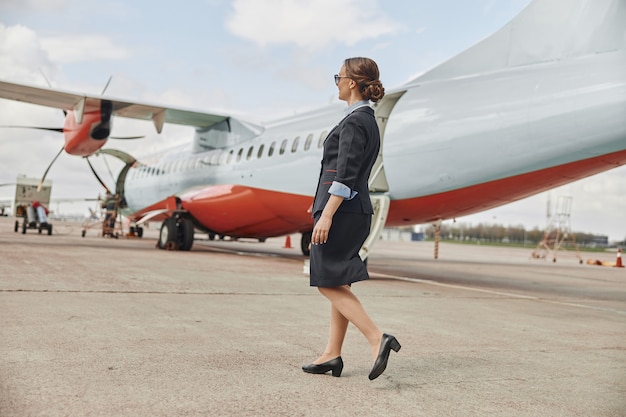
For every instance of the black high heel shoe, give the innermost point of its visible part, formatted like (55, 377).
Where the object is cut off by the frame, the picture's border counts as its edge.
(334, 365)
(387, 343)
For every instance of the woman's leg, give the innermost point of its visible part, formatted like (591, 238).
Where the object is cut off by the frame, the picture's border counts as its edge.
(337, 332)
(348, 307)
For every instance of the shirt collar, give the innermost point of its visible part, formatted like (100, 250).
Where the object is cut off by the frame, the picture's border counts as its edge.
(361, 103)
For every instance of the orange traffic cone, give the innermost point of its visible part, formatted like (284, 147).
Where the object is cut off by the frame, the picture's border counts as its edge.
(618, 262)
(287, 242)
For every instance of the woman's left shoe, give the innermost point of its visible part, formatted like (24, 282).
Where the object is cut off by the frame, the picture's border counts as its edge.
(387, 343)
(333, 365)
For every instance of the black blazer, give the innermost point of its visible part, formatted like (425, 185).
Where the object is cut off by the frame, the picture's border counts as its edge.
(350, 150)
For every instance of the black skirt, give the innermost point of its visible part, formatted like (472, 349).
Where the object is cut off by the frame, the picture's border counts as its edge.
(337, 261)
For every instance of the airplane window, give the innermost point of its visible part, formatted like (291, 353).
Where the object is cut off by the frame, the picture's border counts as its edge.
(250, 152)
(294, 147)
(239, 154)
(230, 156)
(271, 151)
(214, 158)
(322, 138)
(260, 153)
(307, 143)
(283, 146)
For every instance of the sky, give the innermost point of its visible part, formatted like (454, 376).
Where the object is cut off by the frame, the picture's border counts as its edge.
(255, 59)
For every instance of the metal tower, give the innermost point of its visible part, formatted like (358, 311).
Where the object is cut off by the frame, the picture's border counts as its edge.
(558, 233)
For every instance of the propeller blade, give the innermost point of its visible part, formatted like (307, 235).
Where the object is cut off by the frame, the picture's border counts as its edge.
(106, 86)
(96, 175)
(126, 137)
(53, 129)
(48, 169)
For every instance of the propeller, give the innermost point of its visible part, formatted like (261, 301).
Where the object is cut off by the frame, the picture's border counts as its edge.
(48, 169)
(62, 130)
(97, 176)
(53, 129)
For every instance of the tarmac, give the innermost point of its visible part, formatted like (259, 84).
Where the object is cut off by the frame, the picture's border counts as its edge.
(114, 327)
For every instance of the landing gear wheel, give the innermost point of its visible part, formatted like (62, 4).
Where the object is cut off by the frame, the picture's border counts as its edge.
(140, 231)
(167, 236)
(17, 225)
(49, 229)
(176, 234)
(305, 243)
(185, 241)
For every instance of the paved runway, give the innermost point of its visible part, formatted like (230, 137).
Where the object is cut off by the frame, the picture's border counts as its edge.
(103, 327)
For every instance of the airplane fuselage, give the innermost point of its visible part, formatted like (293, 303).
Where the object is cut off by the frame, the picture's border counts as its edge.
(450, 147)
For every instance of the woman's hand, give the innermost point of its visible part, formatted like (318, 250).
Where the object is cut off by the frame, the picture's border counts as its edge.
(321, 230)
(322, 227)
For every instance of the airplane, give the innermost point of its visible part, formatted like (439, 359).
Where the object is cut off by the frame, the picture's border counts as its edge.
(536, 105)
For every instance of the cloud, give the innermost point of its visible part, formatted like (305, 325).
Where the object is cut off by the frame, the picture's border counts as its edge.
(22, 55)
(308, 23)
(84, 47)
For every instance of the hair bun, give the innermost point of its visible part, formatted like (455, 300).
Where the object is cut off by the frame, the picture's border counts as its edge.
(374, 91)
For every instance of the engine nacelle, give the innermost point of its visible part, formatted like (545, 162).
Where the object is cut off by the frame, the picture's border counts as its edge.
(85, 138)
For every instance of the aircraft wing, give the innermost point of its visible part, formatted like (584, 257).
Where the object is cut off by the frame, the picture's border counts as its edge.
(79, 103)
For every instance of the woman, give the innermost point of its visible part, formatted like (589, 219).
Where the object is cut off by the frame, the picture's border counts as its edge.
(342, 211)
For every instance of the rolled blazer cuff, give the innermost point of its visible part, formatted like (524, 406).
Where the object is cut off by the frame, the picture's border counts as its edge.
(342, 190)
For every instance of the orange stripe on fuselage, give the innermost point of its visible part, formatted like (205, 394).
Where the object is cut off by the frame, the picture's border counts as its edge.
(480, 197)
(236, 210)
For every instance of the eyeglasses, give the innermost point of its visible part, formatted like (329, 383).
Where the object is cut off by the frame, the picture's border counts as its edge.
(338, 77)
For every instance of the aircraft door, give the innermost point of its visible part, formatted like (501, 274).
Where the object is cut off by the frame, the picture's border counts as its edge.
(378, 181)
